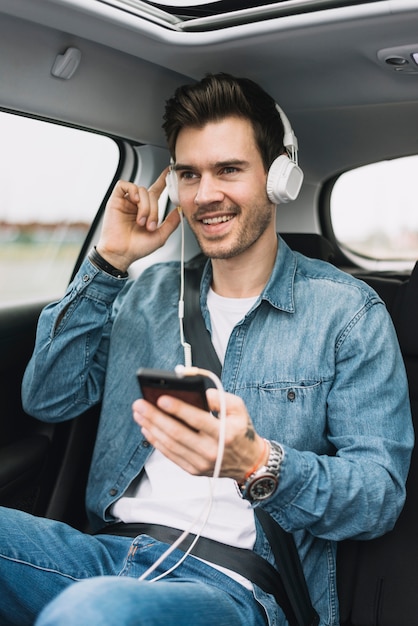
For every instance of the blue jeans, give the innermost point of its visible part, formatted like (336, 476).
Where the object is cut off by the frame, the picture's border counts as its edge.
(40, 560)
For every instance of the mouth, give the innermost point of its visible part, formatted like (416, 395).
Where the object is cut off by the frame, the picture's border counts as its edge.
(217, 220)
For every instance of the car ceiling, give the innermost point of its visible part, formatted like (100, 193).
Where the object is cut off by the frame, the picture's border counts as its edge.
(326, 69)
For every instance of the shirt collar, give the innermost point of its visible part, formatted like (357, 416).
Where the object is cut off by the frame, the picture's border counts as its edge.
(279, 290)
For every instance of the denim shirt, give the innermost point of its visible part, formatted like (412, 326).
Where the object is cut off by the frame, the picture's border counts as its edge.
(316, 361)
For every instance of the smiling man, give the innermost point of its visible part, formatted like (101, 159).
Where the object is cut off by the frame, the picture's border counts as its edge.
(318, 427)
(225, 199)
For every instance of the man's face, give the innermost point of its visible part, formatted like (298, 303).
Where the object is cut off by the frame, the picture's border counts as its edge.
(222, 187)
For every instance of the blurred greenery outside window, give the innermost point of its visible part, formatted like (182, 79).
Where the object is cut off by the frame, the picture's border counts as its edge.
(53, 180)
(374, 214)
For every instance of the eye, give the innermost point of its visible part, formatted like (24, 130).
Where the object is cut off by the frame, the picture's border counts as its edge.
(187, 175)
(230, 169)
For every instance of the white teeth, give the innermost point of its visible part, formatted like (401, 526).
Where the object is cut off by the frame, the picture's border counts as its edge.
(217, 220)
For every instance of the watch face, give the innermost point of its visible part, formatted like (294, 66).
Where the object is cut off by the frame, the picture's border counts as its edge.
(262, 487)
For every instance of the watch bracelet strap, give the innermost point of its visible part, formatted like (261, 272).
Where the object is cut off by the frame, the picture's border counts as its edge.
(97, 260)
(282, 543)
(276, 455)
(272, 466)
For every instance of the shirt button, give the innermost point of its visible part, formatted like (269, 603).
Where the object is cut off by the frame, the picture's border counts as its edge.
(291, 395)
(145, 444)
(113, 492)
(86, 278)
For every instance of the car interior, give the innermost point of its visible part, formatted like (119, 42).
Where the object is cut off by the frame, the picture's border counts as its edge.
(96, 74)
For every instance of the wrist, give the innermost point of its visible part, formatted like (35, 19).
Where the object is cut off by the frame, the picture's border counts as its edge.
(263, 482)
(260, 462)
(103, 264)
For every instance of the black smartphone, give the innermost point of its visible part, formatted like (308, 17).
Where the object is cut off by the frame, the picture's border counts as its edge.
(155, 383)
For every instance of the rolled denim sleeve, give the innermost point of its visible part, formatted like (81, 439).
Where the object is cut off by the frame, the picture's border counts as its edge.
(66, 373)
(359, 491)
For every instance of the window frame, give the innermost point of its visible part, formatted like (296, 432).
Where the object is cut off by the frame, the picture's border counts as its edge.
(344, 256)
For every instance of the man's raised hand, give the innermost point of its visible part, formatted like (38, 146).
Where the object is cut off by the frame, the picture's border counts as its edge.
(130, 228)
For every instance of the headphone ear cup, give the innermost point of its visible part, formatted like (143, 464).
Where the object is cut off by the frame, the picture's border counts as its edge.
(171, 182)
(284, 180)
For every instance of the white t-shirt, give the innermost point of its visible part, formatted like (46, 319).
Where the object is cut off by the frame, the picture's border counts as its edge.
(168, 495)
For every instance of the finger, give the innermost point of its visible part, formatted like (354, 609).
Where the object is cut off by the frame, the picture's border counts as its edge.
(159, 185)
(162, 426)
(172, 437)
(126, 190)
(194, 418)
(234, 404)
(148, 202)
(143, 207)
(154, 194)
(157, 418)
(169, 225)
(168, 433)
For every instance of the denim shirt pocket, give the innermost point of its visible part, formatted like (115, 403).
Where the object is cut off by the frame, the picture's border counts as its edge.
(292, 412)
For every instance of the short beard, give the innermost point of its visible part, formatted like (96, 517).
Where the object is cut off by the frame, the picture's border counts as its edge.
(246, 238)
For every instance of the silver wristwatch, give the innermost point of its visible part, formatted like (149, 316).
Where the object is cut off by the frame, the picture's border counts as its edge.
(262, 483)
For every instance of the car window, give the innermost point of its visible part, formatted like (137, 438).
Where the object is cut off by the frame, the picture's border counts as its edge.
(374, 213)
(53, 180)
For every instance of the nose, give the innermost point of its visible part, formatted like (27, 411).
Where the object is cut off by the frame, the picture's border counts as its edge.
(209, 190)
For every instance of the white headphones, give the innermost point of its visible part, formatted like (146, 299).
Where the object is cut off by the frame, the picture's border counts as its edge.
(172, 184)
(284, 178)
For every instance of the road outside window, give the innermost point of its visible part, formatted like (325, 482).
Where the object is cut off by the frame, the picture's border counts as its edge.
(374, 213)
(53, 180)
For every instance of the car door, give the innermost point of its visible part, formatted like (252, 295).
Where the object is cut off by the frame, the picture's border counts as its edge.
(56, 183)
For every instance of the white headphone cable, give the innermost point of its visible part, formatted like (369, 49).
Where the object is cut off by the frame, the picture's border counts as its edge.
(186, 346)
(181, 370)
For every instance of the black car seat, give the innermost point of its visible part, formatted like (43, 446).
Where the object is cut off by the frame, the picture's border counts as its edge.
(378, 579)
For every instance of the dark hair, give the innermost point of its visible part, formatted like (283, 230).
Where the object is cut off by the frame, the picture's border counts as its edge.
(218, 96)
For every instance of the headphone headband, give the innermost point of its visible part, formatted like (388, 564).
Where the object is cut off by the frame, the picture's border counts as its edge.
(290, 141)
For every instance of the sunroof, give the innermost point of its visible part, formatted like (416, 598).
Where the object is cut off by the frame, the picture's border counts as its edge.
(197, 15)
(213, 7)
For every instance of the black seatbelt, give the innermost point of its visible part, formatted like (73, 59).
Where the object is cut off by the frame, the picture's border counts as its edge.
(296, 604)
(195, 331)
(288, 562)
